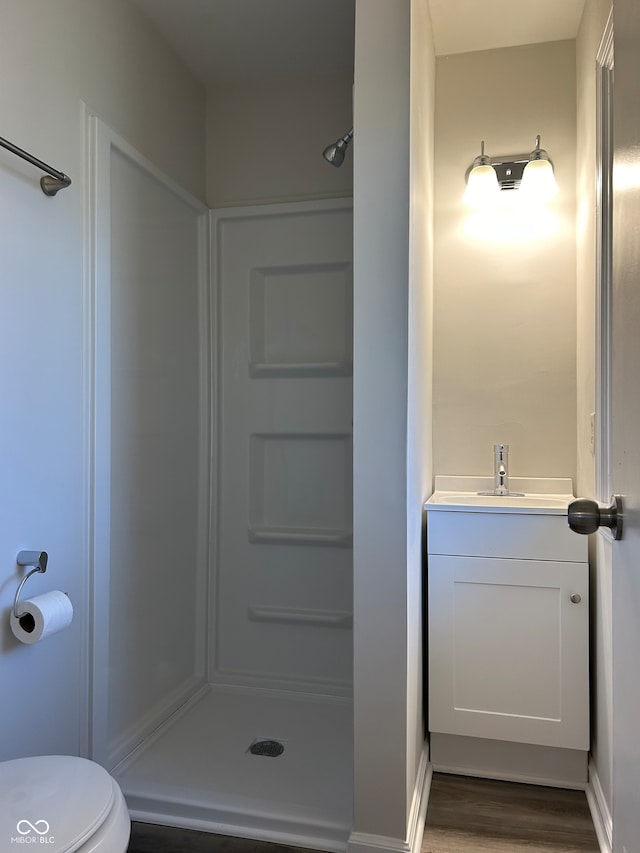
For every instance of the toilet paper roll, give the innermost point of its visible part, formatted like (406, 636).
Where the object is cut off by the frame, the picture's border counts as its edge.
(42, 616)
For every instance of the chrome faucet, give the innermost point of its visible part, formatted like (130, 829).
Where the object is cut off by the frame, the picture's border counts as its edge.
(501, 462)
(501, 472)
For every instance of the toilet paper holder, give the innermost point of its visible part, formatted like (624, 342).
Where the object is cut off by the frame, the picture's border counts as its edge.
(38, 559)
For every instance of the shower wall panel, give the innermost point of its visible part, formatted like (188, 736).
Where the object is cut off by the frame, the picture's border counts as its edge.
(150, 445)
(282, 597)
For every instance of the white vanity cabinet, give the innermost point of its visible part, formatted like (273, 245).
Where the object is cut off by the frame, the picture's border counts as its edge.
(508, 625)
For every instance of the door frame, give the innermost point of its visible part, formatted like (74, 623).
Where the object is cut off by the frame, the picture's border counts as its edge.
(604, 262)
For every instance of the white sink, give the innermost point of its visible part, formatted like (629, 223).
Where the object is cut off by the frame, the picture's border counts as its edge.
(512, 501)
(541, 496)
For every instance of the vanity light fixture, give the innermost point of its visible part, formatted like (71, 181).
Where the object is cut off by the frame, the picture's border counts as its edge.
(533, 173)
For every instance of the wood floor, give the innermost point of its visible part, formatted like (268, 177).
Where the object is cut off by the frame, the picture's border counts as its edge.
(147, 838)
(485, 816)
(465, 815)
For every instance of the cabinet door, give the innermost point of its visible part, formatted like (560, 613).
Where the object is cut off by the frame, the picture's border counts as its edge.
(509, 650)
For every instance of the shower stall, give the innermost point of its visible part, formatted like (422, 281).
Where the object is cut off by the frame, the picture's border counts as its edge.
(222, 506)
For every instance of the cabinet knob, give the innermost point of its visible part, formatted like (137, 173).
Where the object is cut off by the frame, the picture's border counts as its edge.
(576, 598)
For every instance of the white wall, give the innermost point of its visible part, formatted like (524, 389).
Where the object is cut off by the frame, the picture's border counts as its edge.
(591, 29)
(265, 139)
(505, 328)
(51, 57)
(386, 414)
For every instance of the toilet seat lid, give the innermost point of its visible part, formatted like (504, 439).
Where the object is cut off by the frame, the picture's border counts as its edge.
(60, 798)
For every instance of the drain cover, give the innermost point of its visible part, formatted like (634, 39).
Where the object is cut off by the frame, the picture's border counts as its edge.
(272, 748)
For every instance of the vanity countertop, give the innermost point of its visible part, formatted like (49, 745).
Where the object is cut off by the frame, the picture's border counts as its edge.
(542, 496)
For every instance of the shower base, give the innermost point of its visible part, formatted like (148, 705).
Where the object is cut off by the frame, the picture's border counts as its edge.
(197, 772)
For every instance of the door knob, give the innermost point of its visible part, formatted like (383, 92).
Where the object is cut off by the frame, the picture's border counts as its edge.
(586, 516)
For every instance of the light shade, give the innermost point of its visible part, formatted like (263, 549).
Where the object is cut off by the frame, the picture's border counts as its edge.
(482, 186)
(538, 180)
(482, 181)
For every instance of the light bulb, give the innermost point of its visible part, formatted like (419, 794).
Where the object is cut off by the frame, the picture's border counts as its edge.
(538, 181)
(482, 186)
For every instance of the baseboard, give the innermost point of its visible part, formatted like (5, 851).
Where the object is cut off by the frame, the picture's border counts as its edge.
(599, 808)
(512, 762)
(420, 801)
(363, 842)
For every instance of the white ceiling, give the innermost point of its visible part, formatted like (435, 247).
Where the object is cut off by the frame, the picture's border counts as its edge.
(221, 40)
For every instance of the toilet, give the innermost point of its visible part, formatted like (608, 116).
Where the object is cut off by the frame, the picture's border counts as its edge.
(61, 804)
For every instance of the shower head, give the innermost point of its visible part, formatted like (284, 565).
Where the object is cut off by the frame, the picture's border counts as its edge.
(334, 153)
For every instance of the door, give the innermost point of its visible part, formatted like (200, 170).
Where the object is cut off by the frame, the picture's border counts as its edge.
(283, 591)
(625, 426)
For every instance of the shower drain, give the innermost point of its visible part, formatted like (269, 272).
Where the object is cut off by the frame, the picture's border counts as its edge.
(272, 748)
